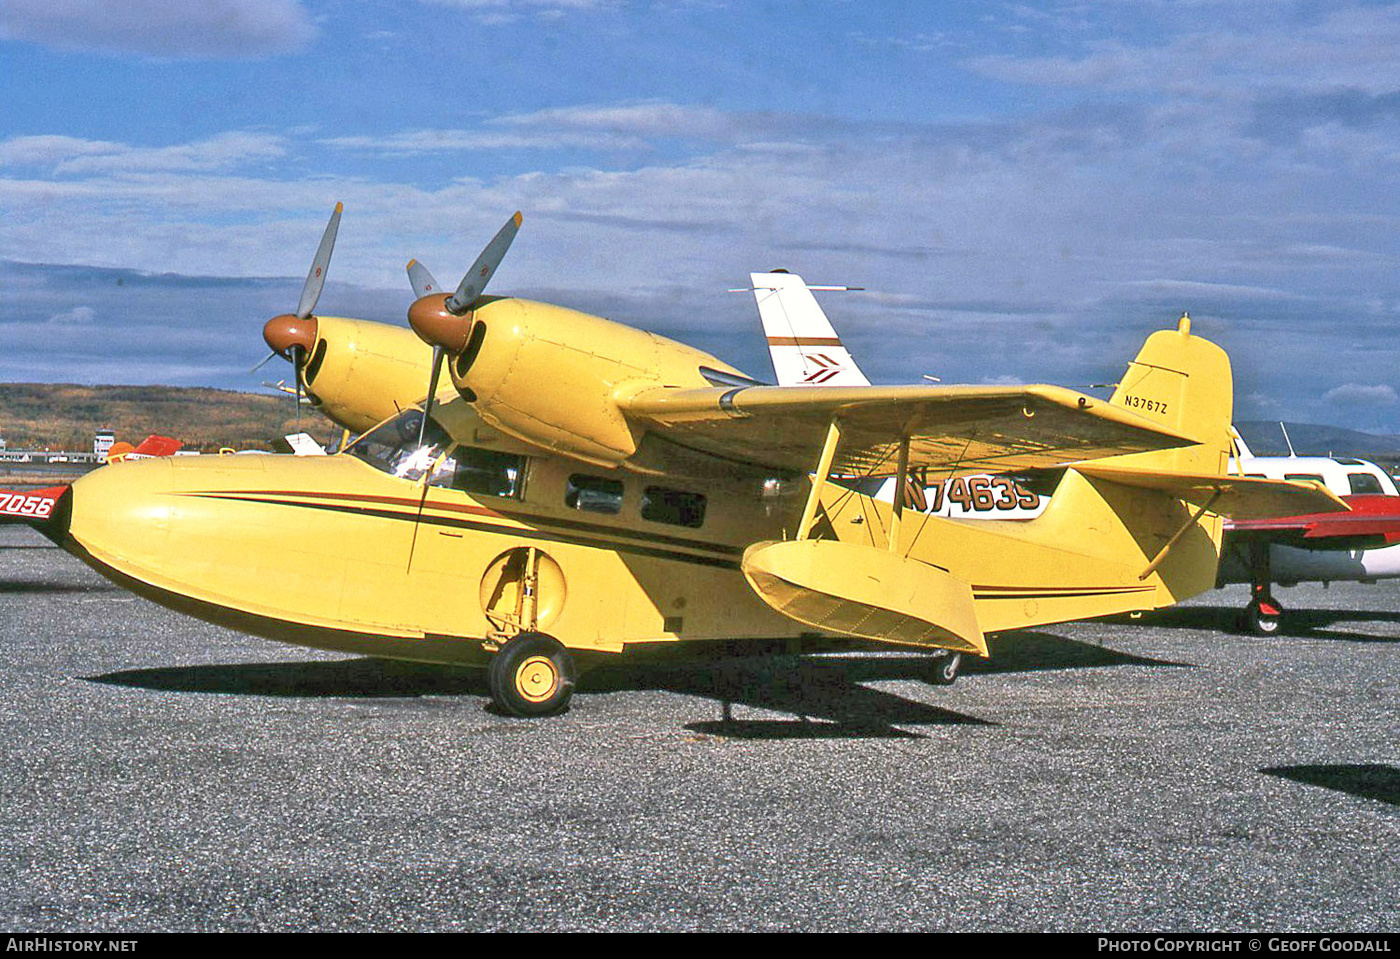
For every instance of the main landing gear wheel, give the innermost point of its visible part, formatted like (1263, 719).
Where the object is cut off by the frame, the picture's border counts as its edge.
(1262, 619)
(945, 669)
(532, 675)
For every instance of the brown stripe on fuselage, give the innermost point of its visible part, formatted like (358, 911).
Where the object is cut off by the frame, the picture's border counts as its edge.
(409, 513)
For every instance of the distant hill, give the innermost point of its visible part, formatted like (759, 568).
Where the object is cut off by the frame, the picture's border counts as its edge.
(63, 416)
(1309, 439)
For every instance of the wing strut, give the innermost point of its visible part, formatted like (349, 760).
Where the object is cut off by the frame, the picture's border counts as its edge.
(901, 477)
(1162, 553)
(895, 599)
(809, 512)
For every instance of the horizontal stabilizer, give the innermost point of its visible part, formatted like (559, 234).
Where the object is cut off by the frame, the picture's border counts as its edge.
(1236, 497)
(866, 592)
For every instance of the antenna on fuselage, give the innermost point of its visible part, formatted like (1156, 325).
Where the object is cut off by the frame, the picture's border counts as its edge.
(1287, 440)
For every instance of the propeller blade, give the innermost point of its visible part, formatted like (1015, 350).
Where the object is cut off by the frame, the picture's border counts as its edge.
(263, 362)
(477, 277)
(297, 352)
(438, 354)
(316, 278)
(421, 280)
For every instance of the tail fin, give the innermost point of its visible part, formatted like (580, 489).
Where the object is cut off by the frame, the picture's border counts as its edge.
(1184, 383)
(804, 347)
(1165, 509)
(34, 506)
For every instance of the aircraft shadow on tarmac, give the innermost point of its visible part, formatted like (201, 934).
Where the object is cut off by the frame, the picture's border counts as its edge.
(827, 696)
(1300, 623)
(364, 677)
(1368, 781)
(21, 587)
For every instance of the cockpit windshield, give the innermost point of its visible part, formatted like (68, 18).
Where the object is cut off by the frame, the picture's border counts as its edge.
(393, 446)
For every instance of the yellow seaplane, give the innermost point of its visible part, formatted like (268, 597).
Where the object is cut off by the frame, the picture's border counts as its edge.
(580, 488)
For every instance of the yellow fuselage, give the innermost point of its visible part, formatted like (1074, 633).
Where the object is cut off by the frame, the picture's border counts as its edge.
(331, 553)
(316, 551)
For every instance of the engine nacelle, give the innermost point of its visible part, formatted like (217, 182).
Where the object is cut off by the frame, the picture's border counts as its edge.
(359, 373)
(552, 376)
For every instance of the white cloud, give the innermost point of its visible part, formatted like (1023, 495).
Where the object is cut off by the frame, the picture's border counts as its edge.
(78, 314)
(1217, 48)
(415, 142)
(500, 10)
(71, 156)
(624, 127)
(1358, 394)
(212, 29)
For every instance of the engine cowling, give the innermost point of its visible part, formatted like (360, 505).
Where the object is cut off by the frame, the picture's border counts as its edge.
(553, 376)
(359, 372)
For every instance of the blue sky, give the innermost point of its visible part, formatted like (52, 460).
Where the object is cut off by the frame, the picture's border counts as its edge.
(1025, 190)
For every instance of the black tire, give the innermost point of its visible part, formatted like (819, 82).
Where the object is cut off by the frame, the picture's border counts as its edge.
(1255, 620)
(945, 669)
(532, 675)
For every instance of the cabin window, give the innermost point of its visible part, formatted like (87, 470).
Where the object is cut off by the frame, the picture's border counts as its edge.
(677, 507)
(593, 494)
(489, 472)
(1364, 483)
(1303, 476)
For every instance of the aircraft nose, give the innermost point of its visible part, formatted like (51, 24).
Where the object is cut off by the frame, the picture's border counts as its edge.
(120, 512)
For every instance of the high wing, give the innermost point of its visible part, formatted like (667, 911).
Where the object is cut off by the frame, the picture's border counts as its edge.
(958, 429)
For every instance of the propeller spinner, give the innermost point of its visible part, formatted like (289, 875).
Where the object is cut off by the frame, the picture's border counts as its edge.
(445, 322)
(292, 335)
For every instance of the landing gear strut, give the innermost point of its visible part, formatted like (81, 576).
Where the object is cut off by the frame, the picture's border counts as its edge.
(532, 675)
(945, 668)
(1263, 613)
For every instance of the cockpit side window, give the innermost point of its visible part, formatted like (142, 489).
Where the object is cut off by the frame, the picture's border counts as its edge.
(392, 447)
(1362, 483)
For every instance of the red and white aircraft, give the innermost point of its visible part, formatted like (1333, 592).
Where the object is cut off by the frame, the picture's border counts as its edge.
(1361, 546)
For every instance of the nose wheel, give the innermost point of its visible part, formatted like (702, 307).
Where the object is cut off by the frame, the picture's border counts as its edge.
(532, 675)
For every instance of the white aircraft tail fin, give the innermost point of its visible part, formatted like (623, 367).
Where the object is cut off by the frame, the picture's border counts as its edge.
(804, 348)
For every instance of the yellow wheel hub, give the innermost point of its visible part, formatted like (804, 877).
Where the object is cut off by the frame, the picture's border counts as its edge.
(536, 679)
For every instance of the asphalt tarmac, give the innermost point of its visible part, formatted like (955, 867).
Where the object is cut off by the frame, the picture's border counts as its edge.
(158, 773)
